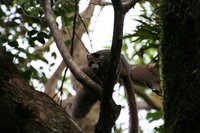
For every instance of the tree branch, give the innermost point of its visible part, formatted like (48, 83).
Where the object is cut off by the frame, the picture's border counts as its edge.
(58, 37)
(147, 99)
(129, 5)
(106, 119)
(146, 76)
(108, 106)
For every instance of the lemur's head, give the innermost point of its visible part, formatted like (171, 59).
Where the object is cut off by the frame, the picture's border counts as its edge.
(95, 61)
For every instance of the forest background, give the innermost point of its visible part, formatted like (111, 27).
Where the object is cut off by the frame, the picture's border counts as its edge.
(25, 34)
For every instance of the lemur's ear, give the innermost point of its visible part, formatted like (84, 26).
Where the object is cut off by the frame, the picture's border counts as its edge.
(89, 56)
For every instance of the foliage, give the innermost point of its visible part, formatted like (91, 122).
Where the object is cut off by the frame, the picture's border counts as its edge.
(154, 117)
(145, 43)
(24, 32)
(146, 38)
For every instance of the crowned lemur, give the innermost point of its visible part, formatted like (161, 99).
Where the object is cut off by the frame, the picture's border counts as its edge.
(98, 67)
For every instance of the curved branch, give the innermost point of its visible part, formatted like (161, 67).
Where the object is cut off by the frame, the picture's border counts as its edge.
(87, 13)
(43, 47)
(146, 76)
(58, 37)
(147, 99)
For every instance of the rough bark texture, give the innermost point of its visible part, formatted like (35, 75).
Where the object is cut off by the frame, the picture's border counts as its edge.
(180, 59)
(22, 109)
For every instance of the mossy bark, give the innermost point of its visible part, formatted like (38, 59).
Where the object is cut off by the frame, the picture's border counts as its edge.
(180, 65)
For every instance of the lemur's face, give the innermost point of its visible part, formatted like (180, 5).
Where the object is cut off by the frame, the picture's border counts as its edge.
(95, 61)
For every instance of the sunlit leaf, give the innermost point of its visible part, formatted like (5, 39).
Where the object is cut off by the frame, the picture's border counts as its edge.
(154, 116)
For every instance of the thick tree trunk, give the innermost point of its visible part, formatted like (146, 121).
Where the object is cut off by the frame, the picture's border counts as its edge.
(22, 109)
(180, 66)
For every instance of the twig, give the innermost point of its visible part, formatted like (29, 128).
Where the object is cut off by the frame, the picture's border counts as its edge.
(71, 50)
(58, 37)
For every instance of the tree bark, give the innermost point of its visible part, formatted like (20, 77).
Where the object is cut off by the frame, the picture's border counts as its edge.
(23, 109)
(180, 66)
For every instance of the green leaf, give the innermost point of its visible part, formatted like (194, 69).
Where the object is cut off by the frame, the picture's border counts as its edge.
(52, 64)
(21, 60)
(43, 35)
(41, 40)
(32, 43)
(19, 10)
(27, 74)
(159, 129)
(67, 42)
(1, 13)
(154, 116)
(44, 60)
(53, 54)
(32, 32)
(35, 11)
(21, 2)
(3, 39)
(12, 24)
(14, 44)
